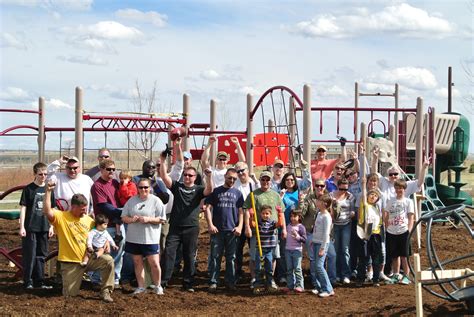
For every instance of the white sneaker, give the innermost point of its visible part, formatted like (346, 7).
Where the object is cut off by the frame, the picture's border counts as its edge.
(139, 290)
(326, 294)
(159, 290)
(384, 277)
(315, 291)
(369, 276)
(346, 280)
(252, 283)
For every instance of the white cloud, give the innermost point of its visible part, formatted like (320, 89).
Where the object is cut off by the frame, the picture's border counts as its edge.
(401, 19)
(110, 30)
(75, 5)
(210, 74)
(376, 87)
(88, 60)
(411, 77)
(115, 92)
(249, 90)
(336, 91)
(153, 17)
(14, 94)
(9, 40)
(443, 92)
(57, 103)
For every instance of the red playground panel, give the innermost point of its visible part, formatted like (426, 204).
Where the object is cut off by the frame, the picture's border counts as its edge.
(277, 148)
(225, 144)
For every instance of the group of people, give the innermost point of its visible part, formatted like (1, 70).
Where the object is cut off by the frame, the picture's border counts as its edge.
(108, 221)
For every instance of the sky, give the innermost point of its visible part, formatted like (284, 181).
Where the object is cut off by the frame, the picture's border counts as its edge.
(223, 50)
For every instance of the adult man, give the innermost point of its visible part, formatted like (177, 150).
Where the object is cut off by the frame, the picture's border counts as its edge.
(220, 169)
(225, 226)
(104, 194)
(94, 173)
(72, 228)
(184, 221)
(263, 196)
(69, 183)
(279, 170)
(188, 160)
(149, 171)
(322, 167)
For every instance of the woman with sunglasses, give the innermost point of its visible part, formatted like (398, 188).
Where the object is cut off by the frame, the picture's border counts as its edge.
(144, 214)
(343, 212)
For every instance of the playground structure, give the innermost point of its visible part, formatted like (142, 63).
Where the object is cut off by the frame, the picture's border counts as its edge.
(444, 137)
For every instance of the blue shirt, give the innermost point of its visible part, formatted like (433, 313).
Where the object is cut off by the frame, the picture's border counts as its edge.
(226, 203)
(291, 201)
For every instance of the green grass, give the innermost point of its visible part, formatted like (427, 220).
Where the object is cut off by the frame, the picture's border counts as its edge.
(11, 205)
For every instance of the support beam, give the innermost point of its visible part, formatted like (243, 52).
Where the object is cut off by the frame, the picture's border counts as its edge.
(307, 123)
(249, 149)
(79, 136)
(187, 116)
(41, 133)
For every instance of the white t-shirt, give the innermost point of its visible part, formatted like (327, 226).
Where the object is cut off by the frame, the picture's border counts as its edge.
(66, 187)
(245, 188)
(218, 176)
(388, 189)
(97, 239)
(398, 210)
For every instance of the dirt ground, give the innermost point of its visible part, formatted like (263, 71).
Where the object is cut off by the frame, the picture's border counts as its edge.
(349, 300)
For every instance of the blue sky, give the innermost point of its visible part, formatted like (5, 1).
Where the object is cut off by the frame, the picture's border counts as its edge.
(224, 50)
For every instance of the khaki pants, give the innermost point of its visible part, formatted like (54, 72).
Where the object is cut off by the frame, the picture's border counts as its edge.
(72, 274)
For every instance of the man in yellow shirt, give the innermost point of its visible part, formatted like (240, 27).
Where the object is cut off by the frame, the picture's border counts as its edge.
(72, 228)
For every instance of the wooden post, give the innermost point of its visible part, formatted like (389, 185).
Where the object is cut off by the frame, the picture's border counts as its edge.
(418, 288)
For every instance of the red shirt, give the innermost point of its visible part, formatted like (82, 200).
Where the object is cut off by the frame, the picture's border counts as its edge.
(104, 192)
(322, 169)
(126, 192)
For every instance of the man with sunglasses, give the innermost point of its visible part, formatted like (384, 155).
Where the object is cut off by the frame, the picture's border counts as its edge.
(94, 173)
(105, 196)
(225, 226)
(321, 167)
(69, 182)
(149, 170)
(184, 220)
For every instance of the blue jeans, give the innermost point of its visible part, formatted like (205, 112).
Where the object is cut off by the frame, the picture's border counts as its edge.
(331, 262)
(116, 255)
(222, 243)
(322, 278)
(267, 254)
(294, 275)
(342, 240)
(309, 251)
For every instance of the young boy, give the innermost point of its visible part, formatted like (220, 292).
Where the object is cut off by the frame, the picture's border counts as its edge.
(127, 190)
(98, 239)
(398, 220)
(34, 229)
(369, 230)
(266, 227)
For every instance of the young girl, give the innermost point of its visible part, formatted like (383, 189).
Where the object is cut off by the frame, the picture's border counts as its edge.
(294, 252)
(97, 239)
(127, 190)
(322, 228)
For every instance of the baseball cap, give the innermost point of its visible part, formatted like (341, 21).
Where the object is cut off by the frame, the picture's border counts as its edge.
(279, 162)
(266, 174)
(73, 159)
(322, 147)
(187, 155)
(223, 153)
(320, 181)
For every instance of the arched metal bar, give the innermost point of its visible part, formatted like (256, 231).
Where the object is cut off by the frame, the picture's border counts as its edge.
(299, 103)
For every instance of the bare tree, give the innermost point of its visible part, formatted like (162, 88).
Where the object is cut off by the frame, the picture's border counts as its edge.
(144, 104)
(468, 99)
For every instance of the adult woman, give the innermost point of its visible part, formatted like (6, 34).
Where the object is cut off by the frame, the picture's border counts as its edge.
(343, 212)
(289, 194)
(144, 214)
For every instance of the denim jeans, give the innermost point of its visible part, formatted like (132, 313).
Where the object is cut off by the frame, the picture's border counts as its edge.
(116, 255)
(309, 251)
(267, 254)
(281, 269)
(187, 237)
(223, 243)
(331, 262)
(342, 240)
(239, 254)
(371, 249)
(294, 275)
(35, 250)
(324, 285)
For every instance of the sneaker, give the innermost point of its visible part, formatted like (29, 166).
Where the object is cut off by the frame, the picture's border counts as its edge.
(212, 288)
(158, 290)
(376, 284)
(282, 280)
(29, 287)
(325, 294)
(346, 280)
(252, 283)
(404, 280)
(369, 276)
(139, 290)
(44, 286)
(383, 277)
(105, 295)
(299, 290)
(274, 285)
(315, 291)
(189, 289)
(395, 279)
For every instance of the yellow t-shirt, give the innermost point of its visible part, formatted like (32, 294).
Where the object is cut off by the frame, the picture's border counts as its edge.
(72, 235)
(373, 216)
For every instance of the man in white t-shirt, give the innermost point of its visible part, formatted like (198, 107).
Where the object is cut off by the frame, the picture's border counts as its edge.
(70, 182)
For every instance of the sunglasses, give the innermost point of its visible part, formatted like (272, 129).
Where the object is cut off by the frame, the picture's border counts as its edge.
(392, 174)
(222, 159)
(340, 168)
(151, 167)
(42, 174)
(319, 186)
(278, 166)
(143, 187)
(266, 179)
(290, 179)
(72, 168)
(189, 175)
(343, 189)
(241, 171)
(232, 179)
(110, 169)
(104, 156)
(320, 150)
